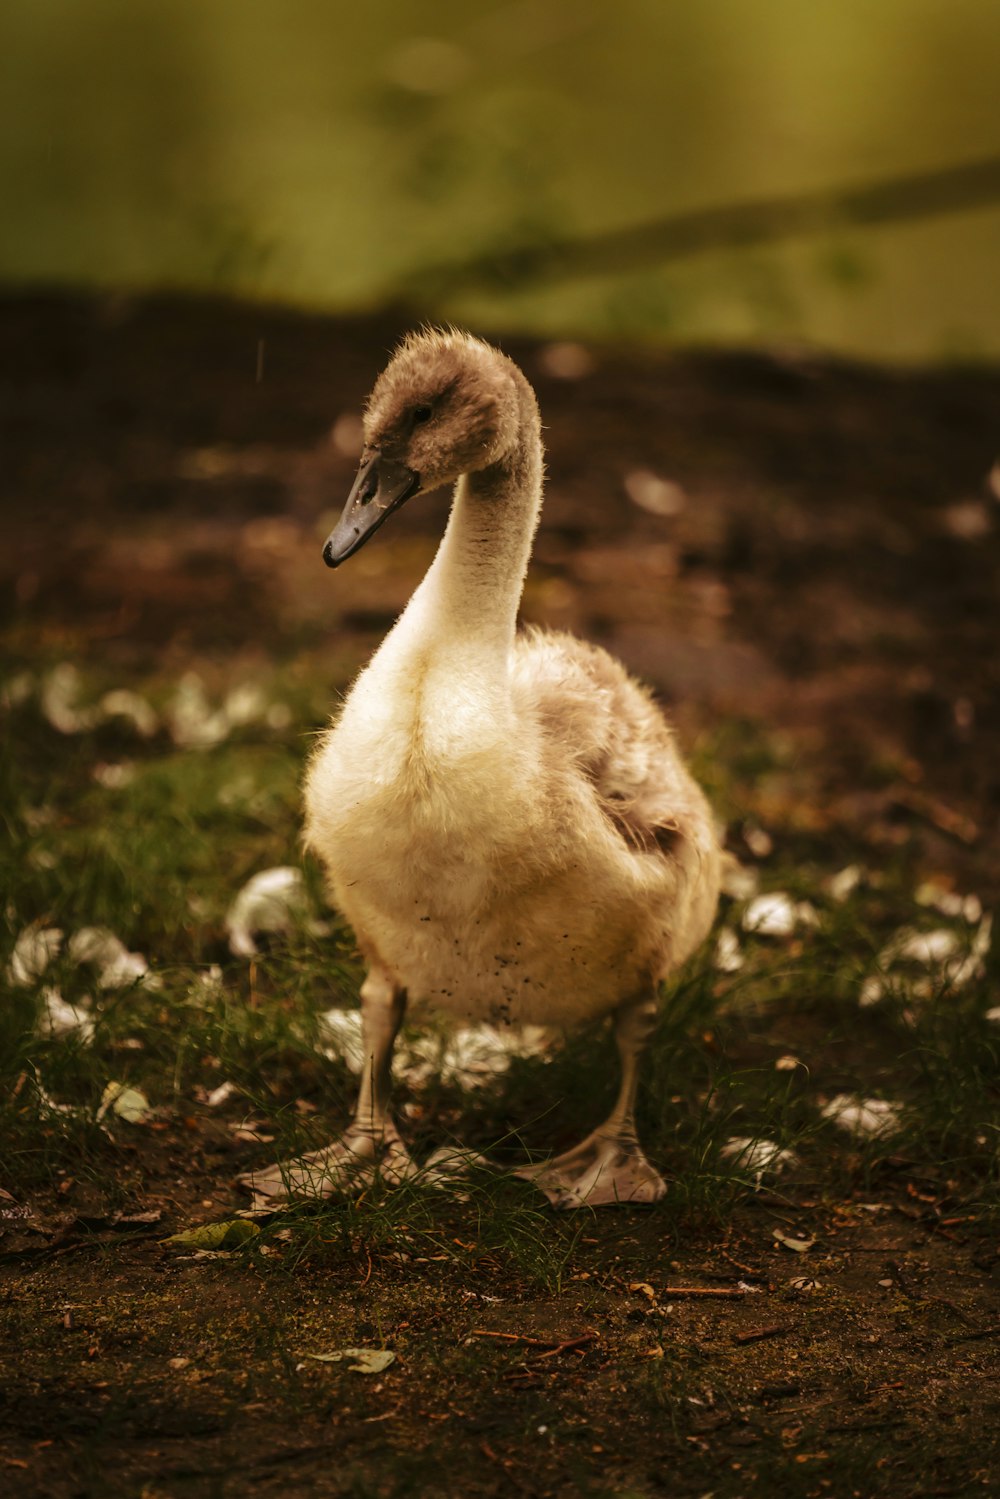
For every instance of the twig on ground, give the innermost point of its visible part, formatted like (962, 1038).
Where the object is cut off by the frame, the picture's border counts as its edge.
(758, 1334)
(571, 1345)
(546, 1343)
(747, 1269)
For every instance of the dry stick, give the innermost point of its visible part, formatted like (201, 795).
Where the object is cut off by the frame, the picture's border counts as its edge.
(761, 1333)
(517, 1337)
(919, 195)
(747, 1269)
(511, 1337)
(569, 1346)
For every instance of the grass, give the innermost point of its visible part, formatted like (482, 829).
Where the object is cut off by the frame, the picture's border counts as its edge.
(158, 860)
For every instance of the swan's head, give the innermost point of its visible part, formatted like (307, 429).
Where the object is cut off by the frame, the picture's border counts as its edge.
(445, 405)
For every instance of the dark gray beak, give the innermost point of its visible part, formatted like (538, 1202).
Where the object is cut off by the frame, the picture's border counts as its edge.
(380, 488)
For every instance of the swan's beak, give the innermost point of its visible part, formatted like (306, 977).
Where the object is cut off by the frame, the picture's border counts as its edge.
(380, 488)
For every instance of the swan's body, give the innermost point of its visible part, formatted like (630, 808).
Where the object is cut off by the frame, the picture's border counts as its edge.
(504, 819)
(499, 845)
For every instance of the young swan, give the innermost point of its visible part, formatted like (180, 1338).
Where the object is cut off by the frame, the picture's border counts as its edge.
(504, 819)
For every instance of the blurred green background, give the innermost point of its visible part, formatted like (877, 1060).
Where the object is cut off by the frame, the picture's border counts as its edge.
(321, 153)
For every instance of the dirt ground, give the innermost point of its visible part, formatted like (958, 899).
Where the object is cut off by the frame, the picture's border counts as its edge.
(829, 568)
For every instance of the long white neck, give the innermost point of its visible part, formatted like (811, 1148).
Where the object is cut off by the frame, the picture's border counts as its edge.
(472, 590)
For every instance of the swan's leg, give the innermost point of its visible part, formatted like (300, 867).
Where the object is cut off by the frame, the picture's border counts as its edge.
(371, 1138)
(609, 1167)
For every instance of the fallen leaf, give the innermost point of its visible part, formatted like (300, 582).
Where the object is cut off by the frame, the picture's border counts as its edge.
(949, 956)
(757, 1155)
(650, 492)
(362, 1360)
(123, 703)
(59, 1020)
(926, 947)
(244, 704)
(758, 840)
(841, 885)
(862, 1116)
(229, 1234)
(771, 915)
(193, 723)
(34, 950)
(340, 1038)
(129, 1104)
(59, 697)
(117, 968)
(777, 915)
(950, 902)
(220, 1095)
(790, 1241)
(113, 777)
(472, 1056)
(59, 701)
(728, 953)
(449, 1163)
(275, 900)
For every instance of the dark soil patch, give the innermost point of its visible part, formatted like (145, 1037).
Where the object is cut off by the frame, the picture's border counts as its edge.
(867, 1365)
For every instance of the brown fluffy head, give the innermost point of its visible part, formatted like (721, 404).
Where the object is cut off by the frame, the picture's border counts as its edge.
(445, 405)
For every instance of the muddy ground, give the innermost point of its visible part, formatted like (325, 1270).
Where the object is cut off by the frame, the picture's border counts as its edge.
(823, 566)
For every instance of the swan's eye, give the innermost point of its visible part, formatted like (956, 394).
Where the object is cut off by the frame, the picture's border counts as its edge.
(422, 413)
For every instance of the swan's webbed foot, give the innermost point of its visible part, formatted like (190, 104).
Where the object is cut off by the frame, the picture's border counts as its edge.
(343, 1167)
(607, 1169)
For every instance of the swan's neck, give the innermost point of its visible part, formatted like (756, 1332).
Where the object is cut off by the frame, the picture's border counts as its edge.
(473, 588)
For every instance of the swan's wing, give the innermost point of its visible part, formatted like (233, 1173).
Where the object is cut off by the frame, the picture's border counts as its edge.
(611, 730)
